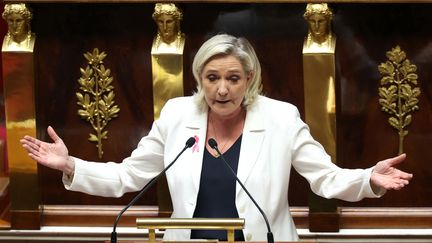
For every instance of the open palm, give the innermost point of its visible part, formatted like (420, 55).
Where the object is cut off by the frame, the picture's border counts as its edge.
(53, 155)
(386, 175)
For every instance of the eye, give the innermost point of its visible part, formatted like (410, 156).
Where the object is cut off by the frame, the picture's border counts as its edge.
(234, 78)
(212, 77)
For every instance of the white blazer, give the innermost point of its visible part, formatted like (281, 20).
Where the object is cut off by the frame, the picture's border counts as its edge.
(275, 139)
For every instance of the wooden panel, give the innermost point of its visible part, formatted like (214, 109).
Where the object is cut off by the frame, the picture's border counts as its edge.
(125, 32)
(372, 217)
(365, 135)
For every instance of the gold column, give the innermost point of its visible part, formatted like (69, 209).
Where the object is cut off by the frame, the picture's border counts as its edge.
(18, 78)
(167, 55)
(319, 81)
(320, 102)
(167, 72)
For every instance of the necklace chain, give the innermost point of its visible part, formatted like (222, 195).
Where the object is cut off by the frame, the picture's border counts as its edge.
(217, 139)
(214, 132)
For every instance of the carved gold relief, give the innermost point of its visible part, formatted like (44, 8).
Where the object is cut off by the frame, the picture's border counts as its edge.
(398, 94)
(97, 97)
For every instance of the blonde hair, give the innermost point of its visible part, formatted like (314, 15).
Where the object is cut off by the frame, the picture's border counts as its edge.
(223, 45)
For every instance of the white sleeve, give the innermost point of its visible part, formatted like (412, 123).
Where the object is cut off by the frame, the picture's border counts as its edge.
(325, 178)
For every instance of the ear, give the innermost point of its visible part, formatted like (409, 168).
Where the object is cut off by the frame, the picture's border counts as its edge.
(249, 76)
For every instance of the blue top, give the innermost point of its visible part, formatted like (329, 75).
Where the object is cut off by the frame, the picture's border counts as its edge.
(216, 196)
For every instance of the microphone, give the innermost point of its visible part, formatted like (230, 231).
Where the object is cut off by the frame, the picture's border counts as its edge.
(213, 145)
(189, 143)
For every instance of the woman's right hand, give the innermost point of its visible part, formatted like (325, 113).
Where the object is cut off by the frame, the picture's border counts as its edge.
(53, 155)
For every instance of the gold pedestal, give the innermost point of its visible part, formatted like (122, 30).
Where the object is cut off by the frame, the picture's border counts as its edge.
(320, 115)
(18, 78)
(320, 98)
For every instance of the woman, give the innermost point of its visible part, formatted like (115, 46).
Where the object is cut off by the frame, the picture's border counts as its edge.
(261, 137)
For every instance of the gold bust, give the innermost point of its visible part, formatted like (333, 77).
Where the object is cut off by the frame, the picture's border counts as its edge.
(320, 36)
(169, 38)
(19, 36)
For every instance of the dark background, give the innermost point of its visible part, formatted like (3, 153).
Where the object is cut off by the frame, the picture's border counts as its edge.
(365, 32)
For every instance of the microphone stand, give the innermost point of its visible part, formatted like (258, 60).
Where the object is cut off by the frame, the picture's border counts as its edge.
(189, 144)
(213, 145)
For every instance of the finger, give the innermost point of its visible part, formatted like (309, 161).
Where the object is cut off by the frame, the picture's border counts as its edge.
(30, 139)
(36, 158)
(406, 176)
(27, 144)
(396, 160)
(401, 183)
(53, 135)
(398, 186)
(35, 145)
(31, 150)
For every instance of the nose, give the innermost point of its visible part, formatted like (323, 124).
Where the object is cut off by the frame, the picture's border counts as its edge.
(13, 24)
(223, 88)
(164, 25)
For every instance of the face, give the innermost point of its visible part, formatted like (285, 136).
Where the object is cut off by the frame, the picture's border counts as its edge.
(224, 83)
(17, 25)
(318, 25)
(167, 27)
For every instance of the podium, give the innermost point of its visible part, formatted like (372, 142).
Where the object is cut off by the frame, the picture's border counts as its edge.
(228, 224)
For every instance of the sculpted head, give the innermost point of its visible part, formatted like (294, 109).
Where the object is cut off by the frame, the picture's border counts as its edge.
(17, 17)
(167, 17)
(318, 17)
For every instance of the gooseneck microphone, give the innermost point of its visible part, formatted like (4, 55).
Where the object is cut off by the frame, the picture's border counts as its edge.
(213, 145)
(189, 143)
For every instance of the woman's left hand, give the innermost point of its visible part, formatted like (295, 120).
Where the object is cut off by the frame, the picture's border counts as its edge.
(386, 176)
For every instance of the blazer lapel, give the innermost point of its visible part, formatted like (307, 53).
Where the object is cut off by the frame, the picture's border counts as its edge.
(253, 137)
(197, 126)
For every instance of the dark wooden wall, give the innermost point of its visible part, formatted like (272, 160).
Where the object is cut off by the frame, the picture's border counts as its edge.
(125, 32)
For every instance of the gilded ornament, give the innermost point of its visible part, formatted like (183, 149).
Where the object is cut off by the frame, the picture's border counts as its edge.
(19, 37)
(398, 93)
(320, 38)
(169, 38)
(97, 97)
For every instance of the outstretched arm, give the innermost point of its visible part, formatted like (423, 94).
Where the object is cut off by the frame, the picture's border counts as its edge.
(53, 155)
(386, 175)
